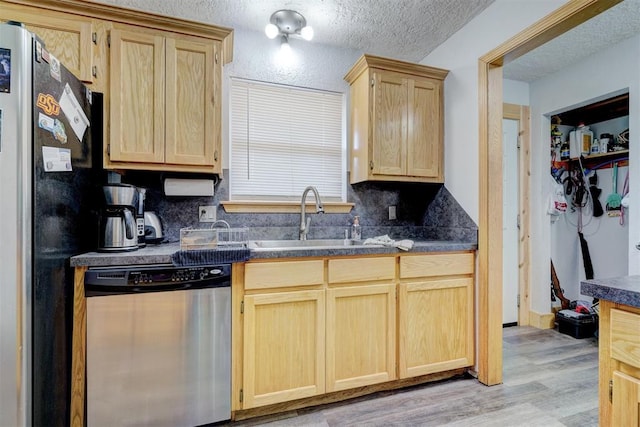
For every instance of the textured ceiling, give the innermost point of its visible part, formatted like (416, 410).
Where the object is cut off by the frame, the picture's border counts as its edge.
(612, 26)
(401, 29)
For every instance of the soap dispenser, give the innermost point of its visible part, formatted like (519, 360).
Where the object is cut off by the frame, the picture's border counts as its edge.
(356, 232)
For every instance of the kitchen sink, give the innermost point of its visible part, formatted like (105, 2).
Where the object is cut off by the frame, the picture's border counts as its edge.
(305, 244)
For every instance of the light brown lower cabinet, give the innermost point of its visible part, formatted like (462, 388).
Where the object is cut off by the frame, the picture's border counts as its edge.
(425, 349)
(626, 389)
(361, 329)
(619, 365)
(312, 326)
(284, 341)
(435, 312)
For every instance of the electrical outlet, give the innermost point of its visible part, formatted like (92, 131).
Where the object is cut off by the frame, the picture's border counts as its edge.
(207, 213)
(392, 213)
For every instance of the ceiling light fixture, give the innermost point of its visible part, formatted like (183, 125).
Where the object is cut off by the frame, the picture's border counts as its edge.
(287, 23)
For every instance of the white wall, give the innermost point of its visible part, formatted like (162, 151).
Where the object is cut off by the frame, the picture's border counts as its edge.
(313, 65)
(515, 92)
(610, 71)
(459, 54)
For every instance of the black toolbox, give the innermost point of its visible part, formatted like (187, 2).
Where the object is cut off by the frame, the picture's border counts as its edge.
(578, 325)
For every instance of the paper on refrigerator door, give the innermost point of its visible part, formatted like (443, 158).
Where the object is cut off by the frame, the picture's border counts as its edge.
(56, 159)
(73, 111)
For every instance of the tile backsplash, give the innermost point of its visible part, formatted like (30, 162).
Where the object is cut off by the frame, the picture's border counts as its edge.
(424, 211)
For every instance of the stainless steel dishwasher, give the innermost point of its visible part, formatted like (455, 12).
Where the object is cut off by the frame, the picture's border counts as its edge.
(158, 345)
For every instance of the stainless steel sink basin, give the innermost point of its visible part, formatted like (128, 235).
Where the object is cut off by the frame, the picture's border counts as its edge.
(304, 244)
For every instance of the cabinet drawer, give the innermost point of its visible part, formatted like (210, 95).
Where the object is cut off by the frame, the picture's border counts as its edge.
(283, 274)
(625, 337)
(361, 269)
(436, 265)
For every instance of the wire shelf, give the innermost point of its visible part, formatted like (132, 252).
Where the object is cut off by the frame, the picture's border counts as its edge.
(213, 238)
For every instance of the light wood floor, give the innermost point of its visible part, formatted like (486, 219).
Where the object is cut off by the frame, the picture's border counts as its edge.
(550, 379)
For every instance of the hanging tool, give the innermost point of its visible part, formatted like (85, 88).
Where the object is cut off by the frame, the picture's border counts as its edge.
(624, 203)
(595, 194)
(586, 257)
(614, 199)
(556, 290)
(574, 184)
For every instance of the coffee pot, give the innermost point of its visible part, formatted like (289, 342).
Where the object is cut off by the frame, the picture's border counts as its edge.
(118, 229)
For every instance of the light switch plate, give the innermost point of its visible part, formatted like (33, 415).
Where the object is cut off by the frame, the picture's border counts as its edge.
(207, 213)
(392, 213)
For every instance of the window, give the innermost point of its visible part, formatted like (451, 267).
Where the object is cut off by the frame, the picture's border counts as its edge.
(284, 139)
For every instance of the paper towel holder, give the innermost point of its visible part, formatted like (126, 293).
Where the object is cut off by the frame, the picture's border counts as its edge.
(189, 187)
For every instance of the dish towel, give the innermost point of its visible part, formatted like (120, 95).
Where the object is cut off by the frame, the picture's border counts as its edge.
(385, 240)
(209, 256)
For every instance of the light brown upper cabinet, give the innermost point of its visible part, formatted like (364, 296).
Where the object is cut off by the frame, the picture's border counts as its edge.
(67, 37)
(161, 78)
(165, 102)
(397, 121)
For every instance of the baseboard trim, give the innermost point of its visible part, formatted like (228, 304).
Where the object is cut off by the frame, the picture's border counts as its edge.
(337, 396)
(541, 320)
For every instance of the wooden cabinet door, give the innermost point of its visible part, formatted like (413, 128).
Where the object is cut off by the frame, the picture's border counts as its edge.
(283, 347)
(67, 37)
(361, 336)
(389, 124)
(193, 111)
(424, 138)
(435, 326)
(626, 400)
(137, 119)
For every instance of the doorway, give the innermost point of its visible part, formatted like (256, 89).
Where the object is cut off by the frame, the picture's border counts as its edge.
(510, 196)
(515, 222)
(490, 93)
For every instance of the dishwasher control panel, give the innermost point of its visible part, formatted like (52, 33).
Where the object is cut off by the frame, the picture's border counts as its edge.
(160, 277)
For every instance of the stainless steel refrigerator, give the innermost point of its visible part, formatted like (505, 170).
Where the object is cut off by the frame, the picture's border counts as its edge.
(48, 121)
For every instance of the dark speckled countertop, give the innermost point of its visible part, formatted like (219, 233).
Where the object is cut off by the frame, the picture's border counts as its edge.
(161, 254)
(622, 290)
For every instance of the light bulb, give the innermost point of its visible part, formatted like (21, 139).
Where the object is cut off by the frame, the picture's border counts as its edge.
(307, 32)
(285, 48)
(271, 31)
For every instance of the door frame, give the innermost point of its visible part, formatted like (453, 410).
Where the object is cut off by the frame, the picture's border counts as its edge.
(521, 113)
(490, 110)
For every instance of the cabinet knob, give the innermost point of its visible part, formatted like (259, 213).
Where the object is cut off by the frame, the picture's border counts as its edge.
(371, 164)
(94, 71)
(215, 155)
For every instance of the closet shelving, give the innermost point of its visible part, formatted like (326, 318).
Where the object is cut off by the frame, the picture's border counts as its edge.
(594, 115)
(603, 160)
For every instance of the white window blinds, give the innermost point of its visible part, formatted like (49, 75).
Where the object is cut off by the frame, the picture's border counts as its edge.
(284, 139)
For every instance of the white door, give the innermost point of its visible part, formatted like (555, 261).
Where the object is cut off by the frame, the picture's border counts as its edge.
(510, 221)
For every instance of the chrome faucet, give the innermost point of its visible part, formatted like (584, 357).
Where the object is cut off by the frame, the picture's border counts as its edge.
(304, 225)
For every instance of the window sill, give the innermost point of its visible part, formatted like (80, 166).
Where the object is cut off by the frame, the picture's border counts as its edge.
(282, 207)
